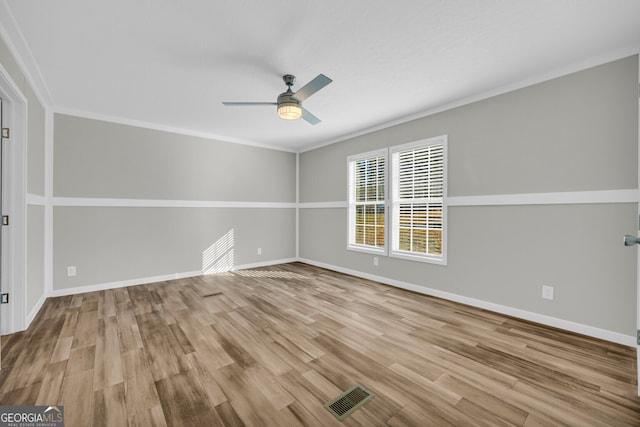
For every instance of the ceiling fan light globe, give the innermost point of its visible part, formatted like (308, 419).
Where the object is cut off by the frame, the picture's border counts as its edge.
(289, 111)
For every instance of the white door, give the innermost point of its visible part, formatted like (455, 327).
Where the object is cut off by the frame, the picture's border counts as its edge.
(2, 287)
(1, 182)
(633, 241)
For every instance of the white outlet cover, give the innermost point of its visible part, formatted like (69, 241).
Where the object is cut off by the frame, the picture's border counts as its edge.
(71, 271)
(547, 292)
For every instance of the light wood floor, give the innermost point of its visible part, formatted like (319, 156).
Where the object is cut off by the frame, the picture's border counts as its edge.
(268, 347)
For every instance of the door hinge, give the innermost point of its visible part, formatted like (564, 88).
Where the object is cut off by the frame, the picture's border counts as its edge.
(5, 219)
(4, 298)
(6, 133)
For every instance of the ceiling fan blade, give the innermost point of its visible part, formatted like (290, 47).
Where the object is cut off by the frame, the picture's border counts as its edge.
(242, 104)
(312, 87)
(310, 118)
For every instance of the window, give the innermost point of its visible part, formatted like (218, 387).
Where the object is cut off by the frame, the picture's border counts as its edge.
(417, 203)
(367, 192)
(418, 200)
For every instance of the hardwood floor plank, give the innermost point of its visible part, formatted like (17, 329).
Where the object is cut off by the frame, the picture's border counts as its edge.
(270, 346)
(77, 398)
(228, 415)
(153, 417)
(410, 413)
(483, 399)
(162, 347)
(107, 363)
(12, 346)
(22, 396)
(201, 338)
(81, 359)
(107, 307)
(70, 323)
(413, 376)
(140, 391)
(30, 366)
(128, 331)
(269, 387)
(62, 351)
(86, 327)
(185, 403)
(207, 379)
(231, 347)
(52, 384)
(255, 344)
(110, 408)
(248, 403)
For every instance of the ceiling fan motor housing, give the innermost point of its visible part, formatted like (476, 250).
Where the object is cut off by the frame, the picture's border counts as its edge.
(288, 107)
(287, 98)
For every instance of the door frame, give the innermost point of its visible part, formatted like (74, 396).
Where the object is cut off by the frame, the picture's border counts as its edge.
(14, 249)
(638, 252)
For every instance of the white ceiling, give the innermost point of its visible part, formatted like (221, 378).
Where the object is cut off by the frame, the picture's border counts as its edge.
(170, 64)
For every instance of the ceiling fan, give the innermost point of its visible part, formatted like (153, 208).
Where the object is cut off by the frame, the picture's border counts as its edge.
(290, 103)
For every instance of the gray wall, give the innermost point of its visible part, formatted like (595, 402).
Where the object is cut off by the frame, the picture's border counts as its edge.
(106, 244)
(113, 244)
(35, 255)
(35, 179)
(93, 158)
(574, 133)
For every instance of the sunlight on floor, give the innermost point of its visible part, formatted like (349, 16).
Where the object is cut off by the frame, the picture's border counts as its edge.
(269, 274)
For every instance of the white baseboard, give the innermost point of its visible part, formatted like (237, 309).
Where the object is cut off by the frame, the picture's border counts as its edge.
(122, 284)
(567, 325)
(153, 279)
(264, 264)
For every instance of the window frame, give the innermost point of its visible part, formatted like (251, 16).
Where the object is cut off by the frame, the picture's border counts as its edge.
(352, 203)
(394, 202)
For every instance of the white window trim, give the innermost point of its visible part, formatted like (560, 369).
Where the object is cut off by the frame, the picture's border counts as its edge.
(440, 260)
(384, 152)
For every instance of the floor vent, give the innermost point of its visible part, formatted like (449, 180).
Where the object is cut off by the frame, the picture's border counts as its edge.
(344, 405)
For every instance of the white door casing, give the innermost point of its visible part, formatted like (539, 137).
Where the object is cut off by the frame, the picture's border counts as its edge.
(13, 315)
(638, 252)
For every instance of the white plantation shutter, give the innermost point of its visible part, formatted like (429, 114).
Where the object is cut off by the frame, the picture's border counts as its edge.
(418, 200)
(367, 193)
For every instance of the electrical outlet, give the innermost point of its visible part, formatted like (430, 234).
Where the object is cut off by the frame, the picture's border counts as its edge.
(4, 298)
(259, 251)
(71, 271)
(547, 292)
(375, 261)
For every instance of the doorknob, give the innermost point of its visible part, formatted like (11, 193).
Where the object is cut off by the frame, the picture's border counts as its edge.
(631, 240)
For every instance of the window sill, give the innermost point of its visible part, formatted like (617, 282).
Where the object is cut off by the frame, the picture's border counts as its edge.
(368, 250)
(420, 258)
